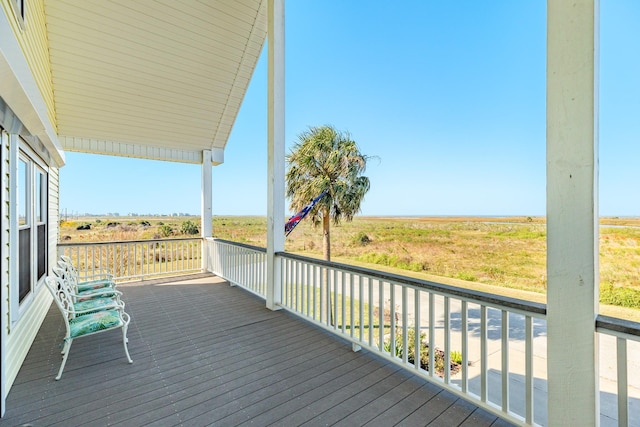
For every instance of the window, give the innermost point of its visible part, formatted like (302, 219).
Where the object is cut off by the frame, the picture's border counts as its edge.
(32, 208)
(20, 8)
(24, 235)
(41, 222)
(19, 11)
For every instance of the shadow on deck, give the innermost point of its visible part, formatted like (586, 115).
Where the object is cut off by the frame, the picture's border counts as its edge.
(206, 353)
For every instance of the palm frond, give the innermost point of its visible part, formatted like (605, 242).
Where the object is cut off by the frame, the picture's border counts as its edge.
(324, 158)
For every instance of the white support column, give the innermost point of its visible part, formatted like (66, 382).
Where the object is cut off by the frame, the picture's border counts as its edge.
(572, 212)
(275, 168)
(206, 204)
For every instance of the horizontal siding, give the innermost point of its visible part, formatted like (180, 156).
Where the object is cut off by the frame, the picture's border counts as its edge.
(4, 252)
(54, 215)
(24, 331)
(34, 43)
(20, 335)
(38, 53)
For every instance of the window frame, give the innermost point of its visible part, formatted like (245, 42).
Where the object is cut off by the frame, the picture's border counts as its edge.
(24, 196)
(19, 8)
(36, 200)
(41, 219)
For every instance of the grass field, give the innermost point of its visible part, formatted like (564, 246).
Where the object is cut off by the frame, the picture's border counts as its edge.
(499, 254)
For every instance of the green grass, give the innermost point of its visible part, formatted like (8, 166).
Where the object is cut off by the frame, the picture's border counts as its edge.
(619, 296)
(313, 302)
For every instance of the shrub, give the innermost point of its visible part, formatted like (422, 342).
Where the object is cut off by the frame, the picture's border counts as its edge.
(617, 295)
(361, 239)
(469, 277)
(455, 356)
(165, 230)
(405, 262)
(189, 227)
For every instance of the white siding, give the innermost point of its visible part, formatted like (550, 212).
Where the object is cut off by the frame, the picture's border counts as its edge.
(20, 91)
(20, 335)
(54, 214)
(24, 332)
(4, 271)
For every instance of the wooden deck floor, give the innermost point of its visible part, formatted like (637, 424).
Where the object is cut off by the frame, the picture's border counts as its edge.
(208, 354)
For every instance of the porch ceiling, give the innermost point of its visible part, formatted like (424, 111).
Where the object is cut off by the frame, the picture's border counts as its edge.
(155, 79)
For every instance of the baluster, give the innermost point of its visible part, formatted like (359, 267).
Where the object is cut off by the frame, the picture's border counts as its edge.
(447, 340)
(529, 392)
(417, 338)
(343, 285)
(405, 321)
(352, 320)
(392, 319)
(464, 326)
(371, 320)
(432, 334)
(334, 311)
(621, 364)
(505, 361)
(361, 306)
(381, 315)
(484, 357)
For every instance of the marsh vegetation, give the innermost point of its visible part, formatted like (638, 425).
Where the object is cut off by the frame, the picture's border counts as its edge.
(502, 253)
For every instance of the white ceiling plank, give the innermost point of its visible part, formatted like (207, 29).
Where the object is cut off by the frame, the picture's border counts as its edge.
(141, 72)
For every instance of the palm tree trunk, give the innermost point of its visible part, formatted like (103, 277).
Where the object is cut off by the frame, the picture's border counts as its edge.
(326, 238)
(326, 249)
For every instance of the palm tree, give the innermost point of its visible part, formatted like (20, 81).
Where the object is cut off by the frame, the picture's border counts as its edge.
(325, 159)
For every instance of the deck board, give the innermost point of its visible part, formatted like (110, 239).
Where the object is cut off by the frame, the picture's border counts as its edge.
(206, 353)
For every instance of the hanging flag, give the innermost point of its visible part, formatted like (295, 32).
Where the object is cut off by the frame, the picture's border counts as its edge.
(294, 220)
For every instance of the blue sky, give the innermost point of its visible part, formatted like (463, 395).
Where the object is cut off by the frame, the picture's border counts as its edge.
(448, 95)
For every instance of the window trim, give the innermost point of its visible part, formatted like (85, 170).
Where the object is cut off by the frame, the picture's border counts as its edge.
(41, 199)
(19, 8)
(35, 165)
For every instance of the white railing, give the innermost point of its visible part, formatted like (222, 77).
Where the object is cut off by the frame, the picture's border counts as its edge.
(241, 265)
(487, 341)
(619, 396)
(500, 342)
(136, 259)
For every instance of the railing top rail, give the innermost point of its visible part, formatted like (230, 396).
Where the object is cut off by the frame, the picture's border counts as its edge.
(118, 242)
(618, 327)
(243, 245)
(528, 307)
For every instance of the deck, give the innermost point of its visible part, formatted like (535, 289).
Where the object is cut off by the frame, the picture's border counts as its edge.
(206, 353)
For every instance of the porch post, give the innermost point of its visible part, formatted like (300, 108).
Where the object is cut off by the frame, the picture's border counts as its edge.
(275, 156)
(572, 212)
(206, 204)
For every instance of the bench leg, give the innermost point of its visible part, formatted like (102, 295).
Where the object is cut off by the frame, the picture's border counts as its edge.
(125, 340)
(67, 346)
